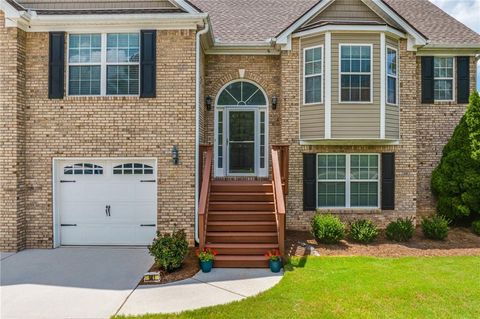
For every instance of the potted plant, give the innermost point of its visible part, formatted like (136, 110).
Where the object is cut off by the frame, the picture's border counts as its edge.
(206, 258)
(274, 260)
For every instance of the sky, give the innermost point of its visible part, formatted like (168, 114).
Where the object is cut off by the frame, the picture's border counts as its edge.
(466, 11)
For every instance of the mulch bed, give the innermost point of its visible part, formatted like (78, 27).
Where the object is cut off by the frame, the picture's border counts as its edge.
(189, 268)
(460, 242)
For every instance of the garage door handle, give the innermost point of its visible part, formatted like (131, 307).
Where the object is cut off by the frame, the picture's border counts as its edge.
(147, 181)
(68, 224)
(64, 181)
(147, 225)
(107, 210)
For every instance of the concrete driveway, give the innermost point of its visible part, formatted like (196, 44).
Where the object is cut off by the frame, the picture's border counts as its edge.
(76, 282)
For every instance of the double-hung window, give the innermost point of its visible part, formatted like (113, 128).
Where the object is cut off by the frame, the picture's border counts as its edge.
(355, 73)
(104, 64)
(443, 72)
(313, 75)
(392, 76)
(348, 180)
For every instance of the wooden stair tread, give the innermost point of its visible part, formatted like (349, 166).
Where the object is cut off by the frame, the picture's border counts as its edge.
(240, 257)
(228, 183)
(242, 234)
(231, 212)
(242, 223)
(241, 245)
(241, 203)
(242, 193)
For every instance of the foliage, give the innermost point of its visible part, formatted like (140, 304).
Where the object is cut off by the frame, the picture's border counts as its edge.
(400, 230)
(435, 227)
(476, 227)
(273, 255)
(169, 250)
(363, 231)
(456, 180)
(327, 228)
(206, 255)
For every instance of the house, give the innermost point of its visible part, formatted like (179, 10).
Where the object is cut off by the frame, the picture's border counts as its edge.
(120, 118)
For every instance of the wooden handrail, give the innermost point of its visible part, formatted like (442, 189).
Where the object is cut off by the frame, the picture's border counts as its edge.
(279, 196)
(284, 164)
(206, 175)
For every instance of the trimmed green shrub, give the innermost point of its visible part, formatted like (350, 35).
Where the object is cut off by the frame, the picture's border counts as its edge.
(476, 227)
(456, 180)
(363, 231)
(435, 227)
(400, 230)
(327, 229)
(169, 250)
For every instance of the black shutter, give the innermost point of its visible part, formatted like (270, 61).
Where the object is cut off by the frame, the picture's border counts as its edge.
(427, 79)
(148, 54)
(309, 182)
(463, 79)
(56, 65)
(388, 181)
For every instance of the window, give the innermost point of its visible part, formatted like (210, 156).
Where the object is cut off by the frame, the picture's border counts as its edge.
(83, 169)
(348, 180)
(443, 72)
(392, 76)
(104, 64)
(313, 75)
(241, 93)
(132, 169)
(355, 73)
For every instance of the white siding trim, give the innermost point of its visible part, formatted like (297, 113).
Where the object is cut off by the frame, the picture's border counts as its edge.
(328, 85)
(382, 84)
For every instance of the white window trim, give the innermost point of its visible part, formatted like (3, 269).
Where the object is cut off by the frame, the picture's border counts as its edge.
(453, 78)
(348, 181)
(392, 76)
(340, 73)
(321, 74)
(103, 65)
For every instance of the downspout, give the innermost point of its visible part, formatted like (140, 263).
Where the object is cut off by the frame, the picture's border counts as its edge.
(197, 120)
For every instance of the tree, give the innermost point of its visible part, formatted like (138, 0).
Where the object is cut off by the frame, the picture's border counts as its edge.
(456, 180)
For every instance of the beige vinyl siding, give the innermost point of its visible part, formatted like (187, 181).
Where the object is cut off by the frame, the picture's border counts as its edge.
(350, 120)
(347, 10)
(392, 112)
(94, 4)
(312, 116)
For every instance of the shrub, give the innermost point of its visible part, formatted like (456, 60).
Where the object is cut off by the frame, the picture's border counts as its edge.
(456, 180)
(327, 229)
(435, 227)
(476, 227)
(169, 250)
(363, 231)
(400, 230)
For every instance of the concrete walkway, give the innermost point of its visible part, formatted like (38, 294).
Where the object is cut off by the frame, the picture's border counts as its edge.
(98, 282)
(217, 287)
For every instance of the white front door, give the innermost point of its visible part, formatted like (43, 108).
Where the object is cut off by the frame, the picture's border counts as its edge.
(106, 201)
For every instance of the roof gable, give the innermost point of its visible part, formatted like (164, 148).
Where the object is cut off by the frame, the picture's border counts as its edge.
(346, 11)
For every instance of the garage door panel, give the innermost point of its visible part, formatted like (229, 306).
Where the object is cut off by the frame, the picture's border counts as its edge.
(134, 190)
(136, 212)
(94, 234)
(74, 212)
(84, 192)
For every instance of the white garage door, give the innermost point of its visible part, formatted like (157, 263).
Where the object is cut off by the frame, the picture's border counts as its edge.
(106, 202)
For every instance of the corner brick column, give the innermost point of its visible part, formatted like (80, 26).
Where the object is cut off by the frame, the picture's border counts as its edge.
(12, 138)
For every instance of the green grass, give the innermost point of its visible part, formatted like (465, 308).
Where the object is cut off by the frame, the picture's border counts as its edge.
(362, 287)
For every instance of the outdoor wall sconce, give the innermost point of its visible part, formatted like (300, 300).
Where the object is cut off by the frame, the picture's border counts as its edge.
(208, 102)
(274, 102)
(175, 158)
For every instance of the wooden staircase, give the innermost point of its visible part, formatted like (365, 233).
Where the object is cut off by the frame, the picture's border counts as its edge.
(243, 220)
(241, 223)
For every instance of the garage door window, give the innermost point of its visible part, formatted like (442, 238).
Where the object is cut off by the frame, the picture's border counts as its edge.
(83, 169)
(133, 169)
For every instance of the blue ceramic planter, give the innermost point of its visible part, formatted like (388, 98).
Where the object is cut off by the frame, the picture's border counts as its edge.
(275, 265)
(206, 266)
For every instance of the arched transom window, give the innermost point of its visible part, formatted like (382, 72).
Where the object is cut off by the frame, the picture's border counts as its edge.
(242, 93)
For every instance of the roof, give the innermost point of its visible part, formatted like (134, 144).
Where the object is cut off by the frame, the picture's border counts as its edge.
(243, 21)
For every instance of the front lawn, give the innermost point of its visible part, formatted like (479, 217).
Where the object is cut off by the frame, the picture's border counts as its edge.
(363, 287)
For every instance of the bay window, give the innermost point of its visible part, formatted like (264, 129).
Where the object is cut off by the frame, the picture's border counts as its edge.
(313, 75)
(104, 64)
(392, 76)
(348, 180)
(355, 73)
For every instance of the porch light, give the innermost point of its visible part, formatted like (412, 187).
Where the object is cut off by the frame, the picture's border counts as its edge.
(208, 102)
(274, 102)
(175, 158)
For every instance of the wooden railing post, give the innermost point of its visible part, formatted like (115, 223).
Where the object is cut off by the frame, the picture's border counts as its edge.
(205, 171)
(278, 191)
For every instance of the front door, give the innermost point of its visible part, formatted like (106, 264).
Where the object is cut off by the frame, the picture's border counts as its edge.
(241, 142)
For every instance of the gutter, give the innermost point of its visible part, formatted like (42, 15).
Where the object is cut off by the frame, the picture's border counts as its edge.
(197, 121)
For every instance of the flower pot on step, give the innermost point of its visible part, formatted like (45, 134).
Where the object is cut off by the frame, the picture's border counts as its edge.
(206, 266)
(275, 265)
